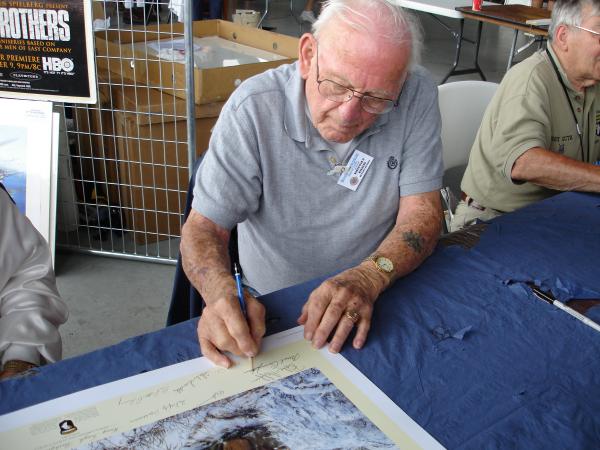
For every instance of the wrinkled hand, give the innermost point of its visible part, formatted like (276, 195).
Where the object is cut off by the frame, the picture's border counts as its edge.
(223, 328)
(6, 374)
(326, 308)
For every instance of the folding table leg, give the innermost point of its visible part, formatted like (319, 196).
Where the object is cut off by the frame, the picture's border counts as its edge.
(476, 61)
(532, 40)
(264, 14)
(459, 40)
(512, 50)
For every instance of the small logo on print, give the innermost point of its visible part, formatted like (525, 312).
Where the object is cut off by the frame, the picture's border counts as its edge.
(561, 148)
(353, 181)
(392, 163)
(67, 426)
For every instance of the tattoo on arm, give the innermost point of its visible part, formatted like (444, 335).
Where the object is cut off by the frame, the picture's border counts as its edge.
(414, 241)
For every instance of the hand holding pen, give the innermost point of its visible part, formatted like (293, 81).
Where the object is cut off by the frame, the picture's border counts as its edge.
(232, 321)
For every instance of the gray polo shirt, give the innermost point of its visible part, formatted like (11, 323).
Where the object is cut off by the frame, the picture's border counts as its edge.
(266, 170)
(529, 109)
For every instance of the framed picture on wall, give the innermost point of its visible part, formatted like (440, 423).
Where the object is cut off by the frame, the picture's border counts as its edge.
(26, 159)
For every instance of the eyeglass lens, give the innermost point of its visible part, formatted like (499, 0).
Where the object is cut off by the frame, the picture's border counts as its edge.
(338, 93)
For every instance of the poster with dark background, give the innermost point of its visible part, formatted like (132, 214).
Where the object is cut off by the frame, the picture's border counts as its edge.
(46, 50)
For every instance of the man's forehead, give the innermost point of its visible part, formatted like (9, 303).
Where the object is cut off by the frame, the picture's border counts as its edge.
(364, 45)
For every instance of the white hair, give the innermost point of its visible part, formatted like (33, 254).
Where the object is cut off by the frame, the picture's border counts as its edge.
(570, 13)
(369, 15)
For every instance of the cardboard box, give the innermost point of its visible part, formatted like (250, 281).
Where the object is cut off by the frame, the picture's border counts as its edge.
(115, 52)
(133, 148)
(152, 159)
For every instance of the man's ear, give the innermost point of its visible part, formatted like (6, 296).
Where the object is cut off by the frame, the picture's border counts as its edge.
(306, 51)
(561, 38)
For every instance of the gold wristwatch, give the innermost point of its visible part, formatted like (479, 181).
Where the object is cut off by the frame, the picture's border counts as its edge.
(383, 264)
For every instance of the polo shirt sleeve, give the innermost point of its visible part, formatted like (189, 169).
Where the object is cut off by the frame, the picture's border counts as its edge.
(228, 182)
(422, 166)
(522, 123)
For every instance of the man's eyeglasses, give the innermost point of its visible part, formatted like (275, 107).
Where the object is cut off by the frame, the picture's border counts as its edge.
(596, 33)
(335, 92)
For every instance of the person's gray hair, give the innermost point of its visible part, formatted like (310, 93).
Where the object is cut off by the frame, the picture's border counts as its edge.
(569, 12)
(403, 24)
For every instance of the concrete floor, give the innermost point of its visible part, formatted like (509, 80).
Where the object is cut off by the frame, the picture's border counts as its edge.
(112, 299)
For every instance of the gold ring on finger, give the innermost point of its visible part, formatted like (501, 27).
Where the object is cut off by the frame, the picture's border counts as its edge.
(353, 315)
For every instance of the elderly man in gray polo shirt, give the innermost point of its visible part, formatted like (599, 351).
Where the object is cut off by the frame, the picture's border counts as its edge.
(329, 165)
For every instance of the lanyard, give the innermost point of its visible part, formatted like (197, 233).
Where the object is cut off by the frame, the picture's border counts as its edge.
(570, 105)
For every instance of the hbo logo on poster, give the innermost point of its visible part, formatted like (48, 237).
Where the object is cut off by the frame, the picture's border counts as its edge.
(57, 64)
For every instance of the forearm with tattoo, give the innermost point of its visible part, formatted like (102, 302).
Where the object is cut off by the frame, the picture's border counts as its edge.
(415, 234)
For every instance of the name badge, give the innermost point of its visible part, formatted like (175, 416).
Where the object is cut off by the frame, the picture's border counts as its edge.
(355, 170)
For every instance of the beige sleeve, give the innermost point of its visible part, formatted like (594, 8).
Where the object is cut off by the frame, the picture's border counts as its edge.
(523, 122)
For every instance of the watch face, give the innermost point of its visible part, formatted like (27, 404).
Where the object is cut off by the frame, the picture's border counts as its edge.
(385, 264)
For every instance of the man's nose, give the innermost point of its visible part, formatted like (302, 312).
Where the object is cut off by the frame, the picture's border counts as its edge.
(351, 109)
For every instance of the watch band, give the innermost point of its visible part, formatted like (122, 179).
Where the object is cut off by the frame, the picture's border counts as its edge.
(17, 366)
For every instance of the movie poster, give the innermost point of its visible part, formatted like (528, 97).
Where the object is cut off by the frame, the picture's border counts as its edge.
(46, 50)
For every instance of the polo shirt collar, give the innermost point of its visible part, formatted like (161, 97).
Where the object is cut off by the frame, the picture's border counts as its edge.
(297, 124)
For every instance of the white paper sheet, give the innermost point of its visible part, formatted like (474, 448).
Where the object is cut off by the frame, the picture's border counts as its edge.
(295, 397)
(209, 52)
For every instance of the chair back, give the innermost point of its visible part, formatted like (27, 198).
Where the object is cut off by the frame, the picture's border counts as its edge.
(462, 104)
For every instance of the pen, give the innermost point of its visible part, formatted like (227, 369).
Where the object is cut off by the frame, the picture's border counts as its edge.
(240, 291)
(550, 299)
(238, 283)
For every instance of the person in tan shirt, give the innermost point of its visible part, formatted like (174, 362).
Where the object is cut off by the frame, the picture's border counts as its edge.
(541, 132)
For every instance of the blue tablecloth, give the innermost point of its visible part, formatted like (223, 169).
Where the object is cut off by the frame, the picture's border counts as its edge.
(461, 345)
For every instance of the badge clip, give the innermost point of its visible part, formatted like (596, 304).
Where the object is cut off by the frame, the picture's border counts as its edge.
(338, 169)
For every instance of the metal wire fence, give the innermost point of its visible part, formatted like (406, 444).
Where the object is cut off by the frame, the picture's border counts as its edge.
(124, 162)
